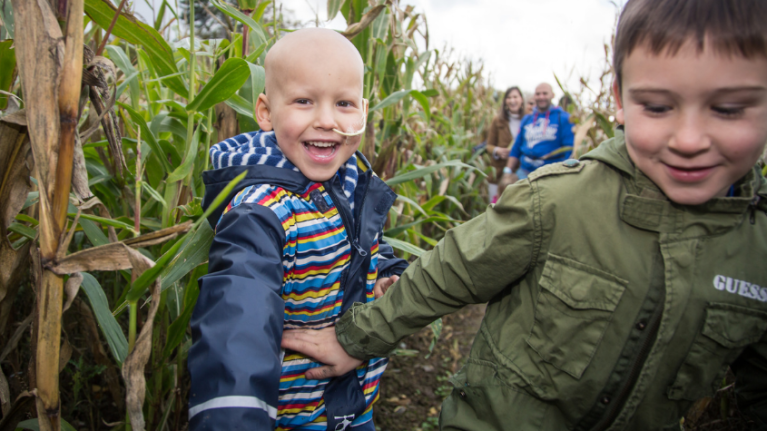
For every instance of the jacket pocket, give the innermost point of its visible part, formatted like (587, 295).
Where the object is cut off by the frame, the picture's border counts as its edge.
(727, 330)
(574, 307)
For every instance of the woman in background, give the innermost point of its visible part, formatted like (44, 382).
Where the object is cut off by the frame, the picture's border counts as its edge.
(500, 136)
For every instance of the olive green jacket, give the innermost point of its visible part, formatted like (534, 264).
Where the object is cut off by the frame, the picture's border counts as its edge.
(610, 307)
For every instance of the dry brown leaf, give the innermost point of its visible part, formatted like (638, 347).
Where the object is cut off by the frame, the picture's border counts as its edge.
(580, 134)
(15, 165)
(40, 54)
(13, 264)
(79, 173)
(133, 368)
(18, 118)
(17, 412)
(65, 354)
(367, 19)
(114, 256)
(72, 287)
(5, 394)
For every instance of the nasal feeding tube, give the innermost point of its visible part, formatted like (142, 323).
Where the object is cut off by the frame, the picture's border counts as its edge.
(364, 122)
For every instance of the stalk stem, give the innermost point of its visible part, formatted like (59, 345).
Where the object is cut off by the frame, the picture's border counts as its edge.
(109, 30)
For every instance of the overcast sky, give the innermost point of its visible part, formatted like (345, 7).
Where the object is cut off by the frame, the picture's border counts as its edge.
(521, 42)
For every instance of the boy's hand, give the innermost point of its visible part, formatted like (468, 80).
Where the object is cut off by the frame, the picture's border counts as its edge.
(322, 346)
(383, 284)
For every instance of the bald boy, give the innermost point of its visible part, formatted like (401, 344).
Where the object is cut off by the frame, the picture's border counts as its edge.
(299, 242)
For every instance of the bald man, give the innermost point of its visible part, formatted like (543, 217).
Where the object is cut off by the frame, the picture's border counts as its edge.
(545, 136)
(298, 244)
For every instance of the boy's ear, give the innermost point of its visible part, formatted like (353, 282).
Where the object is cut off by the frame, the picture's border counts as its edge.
(263, 113)
(618, 102)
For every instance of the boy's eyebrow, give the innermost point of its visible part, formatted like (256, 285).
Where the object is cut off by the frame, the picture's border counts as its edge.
(725, 90)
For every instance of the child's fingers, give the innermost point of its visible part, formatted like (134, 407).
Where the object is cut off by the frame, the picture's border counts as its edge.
(378, 291)
(299, 345)
(320, 373)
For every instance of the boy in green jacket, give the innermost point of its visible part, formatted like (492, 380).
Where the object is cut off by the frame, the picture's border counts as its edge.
(622, 285)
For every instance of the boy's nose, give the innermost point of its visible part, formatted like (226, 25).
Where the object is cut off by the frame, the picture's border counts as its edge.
(690, 137)
(325, 118)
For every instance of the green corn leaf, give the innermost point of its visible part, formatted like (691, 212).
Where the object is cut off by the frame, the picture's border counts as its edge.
(404, 246)
(241, 17)
(390, 100)
(423, 101)
(247, 4)
(333, 7)
(187, 165)
(23, 230)
(94, 233)
(422, 172)
(605, 124)
(380, 25)
(7, 67)
(253, 56)
(412, 203)
(121, 60)
(257, 81)
(241, 105)
(431, 203)
(192, 255)
(145, 279)
(32, 424)
(154, 194)
(399, 229)
(146, 135)
(259, 12)
(227, 80)
(177, 329)
(118, 345)
(6, 13)
(129, 28)
(104, 221)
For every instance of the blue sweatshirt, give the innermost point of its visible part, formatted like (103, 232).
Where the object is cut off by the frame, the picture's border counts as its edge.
(540, 134)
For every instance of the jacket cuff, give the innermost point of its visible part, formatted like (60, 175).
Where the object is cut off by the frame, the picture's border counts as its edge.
(355, 340)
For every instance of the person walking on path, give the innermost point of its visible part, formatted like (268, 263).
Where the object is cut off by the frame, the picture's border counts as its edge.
(545, 136)
(503, 129)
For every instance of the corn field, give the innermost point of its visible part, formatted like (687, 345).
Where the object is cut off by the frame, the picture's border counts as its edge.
(105, 126)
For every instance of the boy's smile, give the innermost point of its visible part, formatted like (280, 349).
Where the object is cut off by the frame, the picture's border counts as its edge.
(314, 85)
(695, 122)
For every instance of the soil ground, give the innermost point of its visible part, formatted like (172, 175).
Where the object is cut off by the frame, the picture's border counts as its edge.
(413, 386)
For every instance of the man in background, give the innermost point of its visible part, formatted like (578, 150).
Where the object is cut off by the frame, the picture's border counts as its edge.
(546, 136)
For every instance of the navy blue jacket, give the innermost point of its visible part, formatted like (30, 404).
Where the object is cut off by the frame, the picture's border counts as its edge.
(235, 360)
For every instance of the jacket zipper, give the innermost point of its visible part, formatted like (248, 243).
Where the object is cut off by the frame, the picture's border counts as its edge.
(354, 237)
(639, 361)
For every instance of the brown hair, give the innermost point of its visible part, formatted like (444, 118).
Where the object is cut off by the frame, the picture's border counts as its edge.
(730, 26)
(505, 111)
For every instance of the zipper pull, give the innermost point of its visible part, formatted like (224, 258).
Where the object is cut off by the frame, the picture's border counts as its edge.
(362, 252)
(753, 205)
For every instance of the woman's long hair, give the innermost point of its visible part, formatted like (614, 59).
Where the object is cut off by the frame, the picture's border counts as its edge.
(505, 110)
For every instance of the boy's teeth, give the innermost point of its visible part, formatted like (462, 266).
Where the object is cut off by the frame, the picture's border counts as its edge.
(322, 144)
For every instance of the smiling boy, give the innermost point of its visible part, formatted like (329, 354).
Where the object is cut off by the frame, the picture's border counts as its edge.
(621, 286)
(299, 242)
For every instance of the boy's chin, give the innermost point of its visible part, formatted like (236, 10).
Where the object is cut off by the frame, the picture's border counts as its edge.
(692, 195)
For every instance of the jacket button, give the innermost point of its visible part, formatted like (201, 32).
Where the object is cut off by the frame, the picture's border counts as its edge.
(571, 163)
(606, 400)
(462, 393)
(641, 325)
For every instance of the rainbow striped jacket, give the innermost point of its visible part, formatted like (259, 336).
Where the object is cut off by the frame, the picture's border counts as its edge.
(288, 253)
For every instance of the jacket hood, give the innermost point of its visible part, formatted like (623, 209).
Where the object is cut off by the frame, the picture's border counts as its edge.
(258, 154)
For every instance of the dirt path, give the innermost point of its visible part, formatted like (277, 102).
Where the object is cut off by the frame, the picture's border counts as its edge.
(412, 388)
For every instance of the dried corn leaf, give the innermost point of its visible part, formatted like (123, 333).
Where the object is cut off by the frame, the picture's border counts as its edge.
(367, 19)
(114, 256)
(72, 287)
(133, 368)
(40, 53)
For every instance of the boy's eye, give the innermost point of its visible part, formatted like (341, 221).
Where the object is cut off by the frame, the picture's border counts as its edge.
(302, 101)
(656, 109)
(345, 104)
(728, 111)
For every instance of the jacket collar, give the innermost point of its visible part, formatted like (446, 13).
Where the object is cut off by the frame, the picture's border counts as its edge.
(644, 205)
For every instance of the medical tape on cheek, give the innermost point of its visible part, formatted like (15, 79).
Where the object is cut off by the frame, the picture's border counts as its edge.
(364, 123)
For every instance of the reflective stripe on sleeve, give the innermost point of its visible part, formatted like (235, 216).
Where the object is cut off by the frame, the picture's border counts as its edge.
(234, 402)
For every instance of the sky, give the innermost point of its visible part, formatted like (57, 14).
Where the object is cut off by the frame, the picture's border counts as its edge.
(520, 42)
